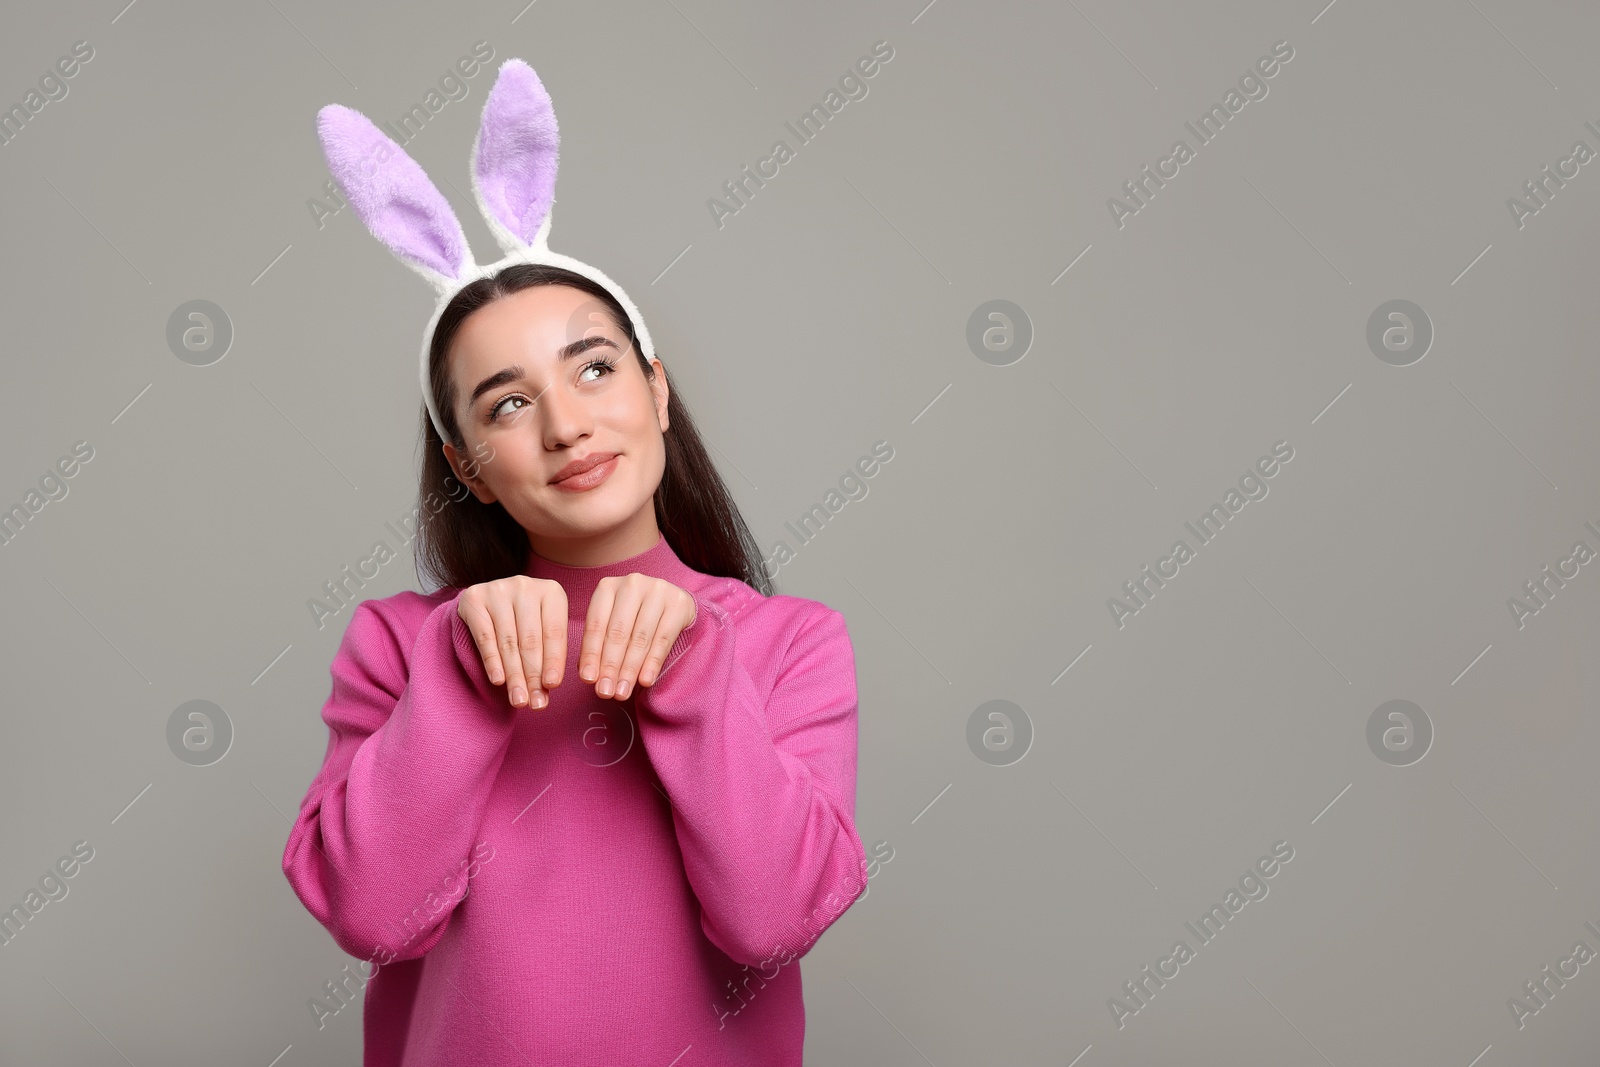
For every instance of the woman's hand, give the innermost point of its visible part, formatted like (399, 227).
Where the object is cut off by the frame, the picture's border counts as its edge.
(632, 624)
(520, 626)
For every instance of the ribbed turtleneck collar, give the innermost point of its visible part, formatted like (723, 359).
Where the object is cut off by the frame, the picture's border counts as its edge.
(659, 561)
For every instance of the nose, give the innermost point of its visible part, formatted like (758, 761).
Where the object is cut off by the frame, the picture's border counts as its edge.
(563, 418)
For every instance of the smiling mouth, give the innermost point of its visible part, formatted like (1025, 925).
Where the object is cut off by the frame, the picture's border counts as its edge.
(579, 466)
(589, 474)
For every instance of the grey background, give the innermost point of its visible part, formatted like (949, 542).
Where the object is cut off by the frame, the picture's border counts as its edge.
(831, 313)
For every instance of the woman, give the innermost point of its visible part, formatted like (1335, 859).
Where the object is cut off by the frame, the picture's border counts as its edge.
(590, 801)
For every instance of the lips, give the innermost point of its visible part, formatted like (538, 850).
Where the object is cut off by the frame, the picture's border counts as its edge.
(579, 466)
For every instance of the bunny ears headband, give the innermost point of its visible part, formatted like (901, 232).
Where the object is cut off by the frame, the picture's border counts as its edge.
(514, 159)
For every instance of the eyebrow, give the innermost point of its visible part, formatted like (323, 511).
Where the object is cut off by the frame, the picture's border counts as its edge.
(515, 371)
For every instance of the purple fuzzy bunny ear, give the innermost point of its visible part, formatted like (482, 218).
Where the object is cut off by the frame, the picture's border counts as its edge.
(514, 157)
(393, 196)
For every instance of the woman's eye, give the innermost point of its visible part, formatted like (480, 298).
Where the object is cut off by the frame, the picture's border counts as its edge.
(499, 409)
(598, 364)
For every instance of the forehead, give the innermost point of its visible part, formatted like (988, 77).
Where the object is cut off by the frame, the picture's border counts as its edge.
(528, 327)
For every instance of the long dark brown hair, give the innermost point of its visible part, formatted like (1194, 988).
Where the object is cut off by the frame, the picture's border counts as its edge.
(462, 541)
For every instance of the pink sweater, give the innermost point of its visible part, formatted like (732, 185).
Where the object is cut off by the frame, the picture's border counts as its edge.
(595, 882)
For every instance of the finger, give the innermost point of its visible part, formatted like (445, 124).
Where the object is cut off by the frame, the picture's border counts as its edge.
(661, 644)
(594, 630)
(529, 642)
(505, 640)
(613, 631)
(481, 626)
(553, 613)
(618, 633)
(641, 642)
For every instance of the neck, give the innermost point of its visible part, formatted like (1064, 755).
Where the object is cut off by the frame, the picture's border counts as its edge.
(629, 538)
(579, 583)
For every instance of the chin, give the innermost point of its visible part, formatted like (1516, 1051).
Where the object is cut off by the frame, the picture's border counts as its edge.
(596, 511)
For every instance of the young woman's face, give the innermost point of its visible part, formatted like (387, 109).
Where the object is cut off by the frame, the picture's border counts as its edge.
(544, 379)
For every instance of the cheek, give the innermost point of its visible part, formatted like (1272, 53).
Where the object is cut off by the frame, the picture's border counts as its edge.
(654, 460)
(631, 424)
(514, 470)
(638, 433)
(644, 430)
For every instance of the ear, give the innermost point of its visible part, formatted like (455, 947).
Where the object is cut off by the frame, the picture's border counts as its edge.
(475, 482)
(660, 392)
(392, 195)
(514, 158)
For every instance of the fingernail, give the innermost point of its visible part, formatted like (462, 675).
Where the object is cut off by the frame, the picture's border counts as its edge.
(604, 688)
(622, 691)
(516, 697)
(586, 673)
(550, 677)
(539, 698)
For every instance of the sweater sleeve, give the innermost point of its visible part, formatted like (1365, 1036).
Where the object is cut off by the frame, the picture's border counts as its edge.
(378, 854)
(762, 784)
